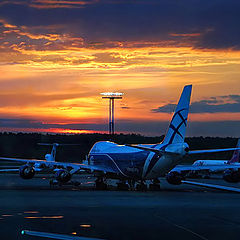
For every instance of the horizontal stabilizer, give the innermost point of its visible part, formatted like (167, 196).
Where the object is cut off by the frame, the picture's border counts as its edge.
(213, 186)
(157, 151)
(146, 148)
(55, 235)
(212, 150)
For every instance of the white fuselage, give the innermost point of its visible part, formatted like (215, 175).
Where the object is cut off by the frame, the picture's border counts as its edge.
(210, 162)
(127, 160)
(215, 165)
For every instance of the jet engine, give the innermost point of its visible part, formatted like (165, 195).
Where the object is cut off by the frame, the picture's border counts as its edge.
(231, 176)
(26, 172)
(63, 176)
(174, 178)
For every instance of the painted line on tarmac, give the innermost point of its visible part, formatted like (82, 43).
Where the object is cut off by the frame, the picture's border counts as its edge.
(181, 227)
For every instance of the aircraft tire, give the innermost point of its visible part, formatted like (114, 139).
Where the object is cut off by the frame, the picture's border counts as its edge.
(122, 186)
(154, 187)
(100, 185)
(141, 187)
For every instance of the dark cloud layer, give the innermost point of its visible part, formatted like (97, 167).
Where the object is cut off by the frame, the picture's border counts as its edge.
(198, 23)
(229, 104)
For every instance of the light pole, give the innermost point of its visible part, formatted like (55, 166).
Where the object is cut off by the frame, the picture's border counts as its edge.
(111, 96)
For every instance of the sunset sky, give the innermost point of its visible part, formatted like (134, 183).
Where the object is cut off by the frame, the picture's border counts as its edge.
(57, 56)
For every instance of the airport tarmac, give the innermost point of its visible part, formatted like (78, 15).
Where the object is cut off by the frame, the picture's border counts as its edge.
(175, 212)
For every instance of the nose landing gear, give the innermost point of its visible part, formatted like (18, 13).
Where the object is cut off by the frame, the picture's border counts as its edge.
(141, 186)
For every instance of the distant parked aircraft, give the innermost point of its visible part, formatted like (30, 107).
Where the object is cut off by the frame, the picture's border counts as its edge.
(28, 170)
(229, 168)
(234, 160)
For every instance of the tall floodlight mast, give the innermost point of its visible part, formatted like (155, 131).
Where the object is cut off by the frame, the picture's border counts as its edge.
(111, 96)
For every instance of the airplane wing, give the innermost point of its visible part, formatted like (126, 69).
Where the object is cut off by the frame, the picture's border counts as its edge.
(34, 161)
(184, 169)
(212, 150)
(21, 160)
(55, 235)
(93, 168)
(75, 167)
(213, 186)
(9, 170)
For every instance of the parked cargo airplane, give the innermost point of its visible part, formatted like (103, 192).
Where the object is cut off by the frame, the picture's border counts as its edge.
(132, 163)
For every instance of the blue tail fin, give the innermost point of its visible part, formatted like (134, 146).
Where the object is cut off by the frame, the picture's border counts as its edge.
(177, 128)
(236, 156)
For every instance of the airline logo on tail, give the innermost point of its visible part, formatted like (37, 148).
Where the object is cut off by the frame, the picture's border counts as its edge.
(236, 156)
(177, 128)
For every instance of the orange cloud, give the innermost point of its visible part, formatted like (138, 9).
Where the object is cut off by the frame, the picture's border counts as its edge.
(185, 34)
(6, 24)
(73, 2)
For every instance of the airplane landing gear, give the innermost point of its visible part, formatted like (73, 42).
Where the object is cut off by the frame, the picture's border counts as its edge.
(141, 186)
(131, 184)
(155, 186)
(122, 185)
(100, 184)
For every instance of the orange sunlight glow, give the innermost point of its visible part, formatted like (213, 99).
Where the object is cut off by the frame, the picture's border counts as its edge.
(50, 130)
(69, 131)
(45, 217)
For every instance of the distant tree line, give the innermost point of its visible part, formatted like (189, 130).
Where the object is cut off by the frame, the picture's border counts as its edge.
(24, 145)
